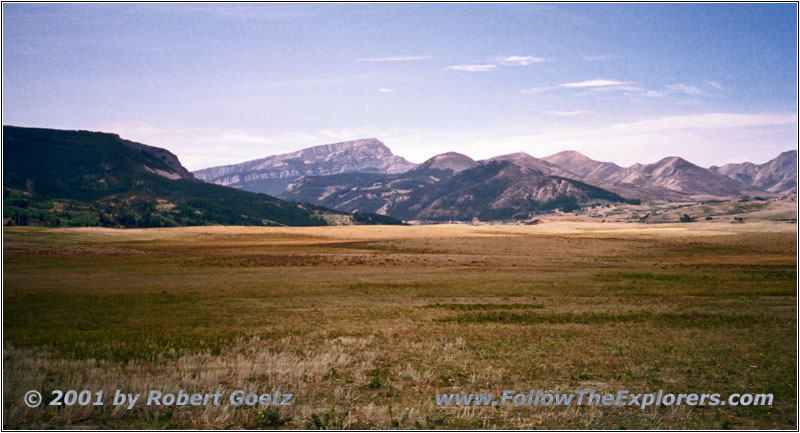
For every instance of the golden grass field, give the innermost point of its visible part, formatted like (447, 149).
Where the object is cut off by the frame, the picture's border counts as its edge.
(365, 324)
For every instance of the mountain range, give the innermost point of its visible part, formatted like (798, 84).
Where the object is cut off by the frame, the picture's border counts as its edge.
(82, 178)
(56, 177)
(452, 186)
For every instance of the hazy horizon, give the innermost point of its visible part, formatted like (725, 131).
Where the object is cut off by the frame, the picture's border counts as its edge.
(220, 84)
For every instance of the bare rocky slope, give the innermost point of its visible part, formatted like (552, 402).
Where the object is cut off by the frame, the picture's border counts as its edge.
(671, 178)
(679, 175)
(583, 166)
(778, 175)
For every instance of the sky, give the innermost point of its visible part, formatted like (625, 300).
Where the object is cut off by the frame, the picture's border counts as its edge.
(224, 83)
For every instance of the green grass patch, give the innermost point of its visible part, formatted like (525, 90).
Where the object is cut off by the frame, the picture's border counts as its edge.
(120, 327)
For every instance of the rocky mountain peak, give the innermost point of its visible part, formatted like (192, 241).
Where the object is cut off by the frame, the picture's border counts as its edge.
(539, 165)
(365, 145)
(570, 156)
(583, 166)
(516, 156)
(670, 165)
(450, 161)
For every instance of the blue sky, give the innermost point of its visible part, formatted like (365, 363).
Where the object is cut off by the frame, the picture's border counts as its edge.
(223, 83)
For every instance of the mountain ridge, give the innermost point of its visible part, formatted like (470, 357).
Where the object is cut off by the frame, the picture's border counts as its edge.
(668, 179)
(536, 164)
(499, 189)
(582, 165)
(678, 174)
(778, 175)
(273, 174)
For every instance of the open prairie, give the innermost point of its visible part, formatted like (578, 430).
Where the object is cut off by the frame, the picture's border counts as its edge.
(365, 324)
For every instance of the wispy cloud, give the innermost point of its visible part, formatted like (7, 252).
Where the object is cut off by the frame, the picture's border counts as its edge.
(616, 88)
(569, 113)
(534, 90)
(685, 88)
(520, 60)
(471, 68)
(385, 90)
(607, 85)
(499, 60)
(395, 59)
(596, 84)
(601, 58)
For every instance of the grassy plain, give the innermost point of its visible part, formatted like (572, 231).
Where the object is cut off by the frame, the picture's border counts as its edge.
(364, 325)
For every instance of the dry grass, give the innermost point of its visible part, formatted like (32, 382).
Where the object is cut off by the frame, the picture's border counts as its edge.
(365, 324)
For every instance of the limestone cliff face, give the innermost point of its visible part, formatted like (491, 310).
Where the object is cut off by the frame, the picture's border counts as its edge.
(273, 174)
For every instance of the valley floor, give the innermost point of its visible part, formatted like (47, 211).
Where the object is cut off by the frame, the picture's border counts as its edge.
(366, 324)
